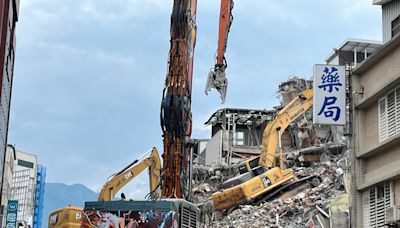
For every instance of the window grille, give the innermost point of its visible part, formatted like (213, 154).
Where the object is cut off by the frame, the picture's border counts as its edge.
(382, 120)
(376, 201)
(396, 26)
(389, 114)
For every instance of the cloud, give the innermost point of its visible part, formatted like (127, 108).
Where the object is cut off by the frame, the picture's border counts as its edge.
(89, 74)
(303, 13)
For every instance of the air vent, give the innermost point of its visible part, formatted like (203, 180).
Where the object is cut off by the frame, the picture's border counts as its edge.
(188, 218)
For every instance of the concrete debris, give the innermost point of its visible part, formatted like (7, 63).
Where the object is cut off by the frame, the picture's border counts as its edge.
(301, 206)
(214, 174)
(290, 88)
(203, 188)
(217, 80)
(309, 151)
(207, 178)
(310, 155)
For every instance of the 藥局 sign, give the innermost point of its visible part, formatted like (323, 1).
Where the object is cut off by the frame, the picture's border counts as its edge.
(329, 104)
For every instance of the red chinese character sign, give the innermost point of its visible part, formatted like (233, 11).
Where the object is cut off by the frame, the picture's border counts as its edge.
(329, 106)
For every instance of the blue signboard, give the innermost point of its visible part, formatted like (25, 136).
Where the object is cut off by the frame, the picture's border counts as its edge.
(12, 210)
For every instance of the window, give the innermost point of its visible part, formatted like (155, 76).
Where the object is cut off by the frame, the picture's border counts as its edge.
(25, 163)
(376, 201)
(239, 138)
(396, 26)
(389, 114)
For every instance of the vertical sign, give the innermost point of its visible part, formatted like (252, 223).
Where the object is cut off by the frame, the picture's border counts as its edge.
(329, 95)
(12, 210)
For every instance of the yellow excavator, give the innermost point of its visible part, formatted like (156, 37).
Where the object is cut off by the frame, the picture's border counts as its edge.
(69, 217)
(150, 160)
(261, 177)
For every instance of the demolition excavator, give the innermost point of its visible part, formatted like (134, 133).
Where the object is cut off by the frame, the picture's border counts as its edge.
(172, 208)
(261, 177)
(176, 116)
(176, 124)
(150, 161)
(69, 217)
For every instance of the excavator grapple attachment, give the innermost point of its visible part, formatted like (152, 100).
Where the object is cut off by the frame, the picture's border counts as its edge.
(217, 80)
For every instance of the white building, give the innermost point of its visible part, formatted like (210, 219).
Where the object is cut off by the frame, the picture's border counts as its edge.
(24, 185)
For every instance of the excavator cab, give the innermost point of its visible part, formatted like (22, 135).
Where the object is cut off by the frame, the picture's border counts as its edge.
(243, 177)
(249, 165)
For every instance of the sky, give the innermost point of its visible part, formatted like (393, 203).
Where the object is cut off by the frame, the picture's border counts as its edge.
(89, 74)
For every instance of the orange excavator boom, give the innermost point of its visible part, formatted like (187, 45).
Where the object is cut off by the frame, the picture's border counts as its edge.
(217, 78)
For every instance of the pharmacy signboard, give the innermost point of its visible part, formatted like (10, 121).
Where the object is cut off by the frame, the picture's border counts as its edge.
(329, 102)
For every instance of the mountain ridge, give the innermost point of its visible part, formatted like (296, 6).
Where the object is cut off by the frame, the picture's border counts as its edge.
(59, 195)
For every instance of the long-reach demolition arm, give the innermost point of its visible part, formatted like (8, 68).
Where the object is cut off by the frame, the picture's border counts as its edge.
(150, 160)
(217, 78)
(176, 116)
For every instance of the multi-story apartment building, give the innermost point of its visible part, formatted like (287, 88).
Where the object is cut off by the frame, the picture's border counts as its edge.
(376, 128)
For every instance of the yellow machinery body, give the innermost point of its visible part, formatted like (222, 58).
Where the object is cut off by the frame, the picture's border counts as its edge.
(150, 160)
(247, 192)
(67, 217)
(260, 175)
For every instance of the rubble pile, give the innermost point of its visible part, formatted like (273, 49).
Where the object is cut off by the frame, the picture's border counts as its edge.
(310, 155)
(207, 178)
(297, 208)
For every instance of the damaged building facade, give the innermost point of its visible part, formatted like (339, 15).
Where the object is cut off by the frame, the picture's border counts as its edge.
(238, 133)
(235, 134)
(358, 163)
(308, 150)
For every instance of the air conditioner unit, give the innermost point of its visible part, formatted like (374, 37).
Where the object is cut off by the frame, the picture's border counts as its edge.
(393, 214)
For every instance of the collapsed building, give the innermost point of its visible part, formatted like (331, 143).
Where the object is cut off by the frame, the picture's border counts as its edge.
(370, 167)
(235, 134)
(309, 150)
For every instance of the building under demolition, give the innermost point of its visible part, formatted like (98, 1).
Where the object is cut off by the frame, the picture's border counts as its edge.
(308, 150)
(235, 134)
(358, 163)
